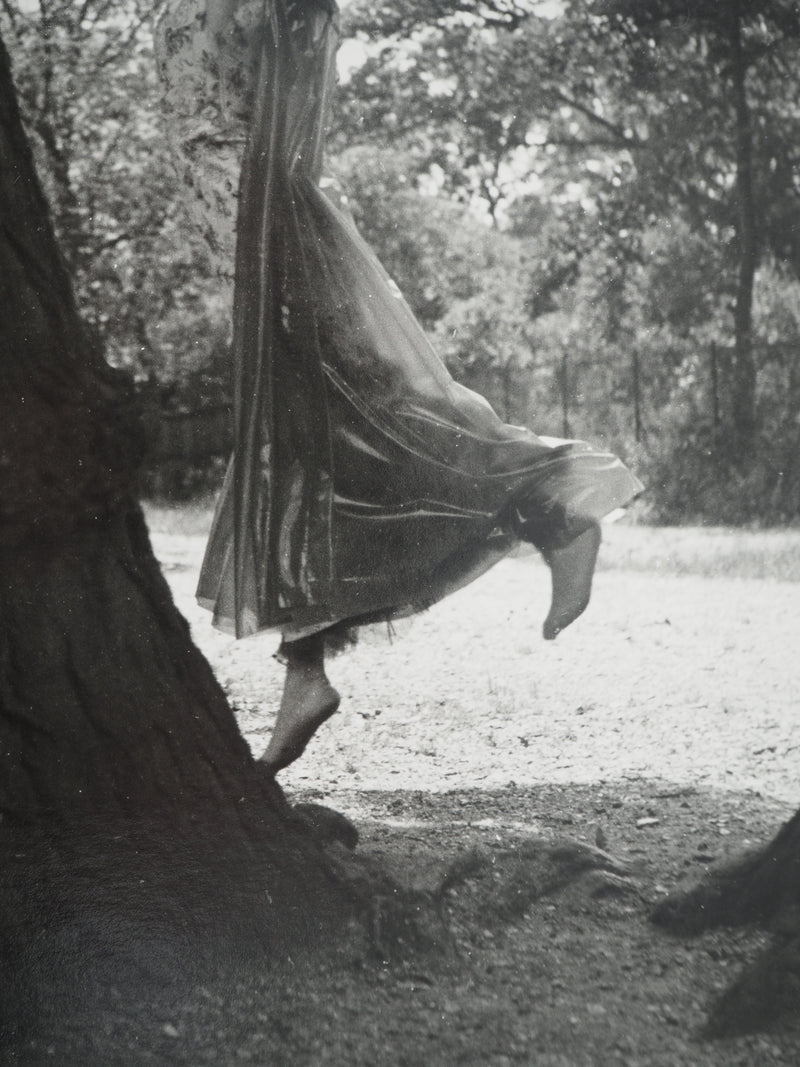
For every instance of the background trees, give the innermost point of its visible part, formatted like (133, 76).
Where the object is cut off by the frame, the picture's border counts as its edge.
(592, 207)
(642, 155)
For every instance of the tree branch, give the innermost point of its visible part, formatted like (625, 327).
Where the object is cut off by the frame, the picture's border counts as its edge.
(619, 133)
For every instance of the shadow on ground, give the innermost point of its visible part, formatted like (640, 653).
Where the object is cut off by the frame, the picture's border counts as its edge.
(548, 955)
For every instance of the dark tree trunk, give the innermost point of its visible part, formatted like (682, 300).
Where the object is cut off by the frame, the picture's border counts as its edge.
(744, 369)
(762, 888)
(95, 661)
(563, 382)
(637, 398)
(715, 415)
(105, 703)
(133, 818)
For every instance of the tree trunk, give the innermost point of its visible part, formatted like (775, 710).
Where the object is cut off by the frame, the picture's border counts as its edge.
(744, 371)
(715, 417)
(637, 398)
(106, 704)
(761, 888)
(135, 826)
(563, 382)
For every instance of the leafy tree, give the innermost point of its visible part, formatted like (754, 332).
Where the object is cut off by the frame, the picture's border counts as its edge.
(486, 334)
(594, 135)
(502, 112)
(713, 69)
(91, 104)
(462, 88)
(602, 142)
(468, 284)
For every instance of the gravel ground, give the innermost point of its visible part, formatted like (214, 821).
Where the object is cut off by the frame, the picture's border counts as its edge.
(689, 679)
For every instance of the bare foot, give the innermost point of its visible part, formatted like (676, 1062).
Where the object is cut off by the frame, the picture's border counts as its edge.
(572, 569)
(308, 700)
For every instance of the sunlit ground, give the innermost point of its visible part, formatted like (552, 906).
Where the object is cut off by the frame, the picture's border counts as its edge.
(684, 667)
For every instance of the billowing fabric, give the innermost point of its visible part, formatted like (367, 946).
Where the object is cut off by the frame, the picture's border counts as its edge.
(365, 483)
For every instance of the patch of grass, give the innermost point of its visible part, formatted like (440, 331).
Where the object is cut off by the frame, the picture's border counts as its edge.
(707, 552)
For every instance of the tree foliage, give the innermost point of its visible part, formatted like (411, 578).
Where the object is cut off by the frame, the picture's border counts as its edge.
(592, 207)
(90, 99)
(645, 155)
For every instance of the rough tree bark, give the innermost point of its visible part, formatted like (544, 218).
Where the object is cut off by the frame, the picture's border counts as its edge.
(135, 828)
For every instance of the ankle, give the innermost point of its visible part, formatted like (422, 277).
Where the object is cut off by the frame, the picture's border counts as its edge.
(304, 652)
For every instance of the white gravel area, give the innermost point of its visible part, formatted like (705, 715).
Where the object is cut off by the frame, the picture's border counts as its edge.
(691, 680)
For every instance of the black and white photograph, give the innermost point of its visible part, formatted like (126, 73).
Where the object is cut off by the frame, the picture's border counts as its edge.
(400, 533)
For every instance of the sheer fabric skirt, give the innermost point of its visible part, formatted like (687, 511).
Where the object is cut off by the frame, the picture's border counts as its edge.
(365, 483)
(396, 484)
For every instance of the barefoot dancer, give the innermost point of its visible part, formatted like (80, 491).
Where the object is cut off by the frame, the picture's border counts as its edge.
(365, 483)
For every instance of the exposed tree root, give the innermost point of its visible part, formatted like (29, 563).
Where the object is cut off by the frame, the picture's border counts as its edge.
(150, 907)
(406, 902)
(765, 993)
(761, 888)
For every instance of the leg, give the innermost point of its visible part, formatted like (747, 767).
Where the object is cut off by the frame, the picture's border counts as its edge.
(308, 700)
(572, 569)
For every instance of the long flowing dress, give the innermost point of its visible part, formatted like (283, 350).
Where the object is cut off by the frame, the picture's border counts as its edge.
(365, 482)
